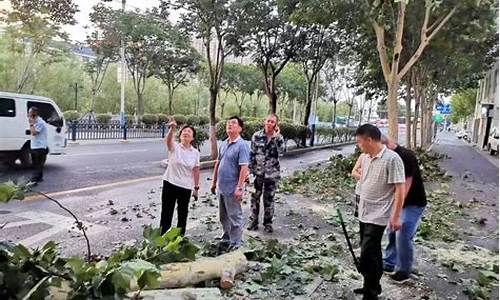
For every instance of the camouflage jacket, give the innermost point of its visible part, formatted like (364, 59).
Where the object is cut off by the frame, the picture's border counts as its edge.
(264, 155)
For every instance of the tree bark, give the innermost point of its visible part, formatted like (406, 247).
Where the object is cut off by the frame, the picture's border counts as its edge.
(408, 116)
(213, 123)
(334, 121)
(170, 98)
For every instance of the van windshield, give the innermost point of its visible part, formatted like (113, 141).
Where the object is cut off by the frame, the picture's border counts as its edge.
(47, 112)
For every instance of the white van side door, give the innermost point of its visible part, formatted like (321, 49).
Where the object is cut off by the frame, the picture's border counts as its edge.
(12, 120)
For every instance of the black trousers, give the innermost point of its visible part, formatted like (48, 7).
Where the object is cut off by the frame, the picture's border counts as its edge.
(38, 158)
(371, 264)
(170, 195)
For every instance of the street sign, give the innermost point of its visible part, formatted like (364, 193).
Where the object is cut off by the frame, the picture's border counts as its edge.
(443, 108)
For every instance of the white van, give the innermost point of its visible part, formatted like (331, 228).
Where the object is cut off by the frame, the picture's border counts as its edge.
(14, 134)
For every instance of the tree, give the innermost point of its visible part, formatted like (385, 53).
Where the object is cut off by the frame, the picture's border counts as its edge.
(463, 105)
(265, 30)
(144, 35)
(34, 25)
(209, 21)
(240, 80)
(323, 43)
(292, 84)
(105, 53)
(175, 62)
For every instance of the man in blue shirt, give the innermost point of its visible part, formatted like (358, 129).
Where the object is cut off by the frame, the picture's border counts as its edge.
(230, 172)
(39, 147)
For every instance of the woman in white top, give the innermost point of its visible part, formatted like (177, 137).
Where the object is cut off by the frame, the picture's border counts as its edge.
(181, 178)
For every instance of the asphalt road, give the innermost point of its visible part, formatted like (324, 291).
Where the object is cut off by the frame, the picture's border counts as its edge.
(91, 165)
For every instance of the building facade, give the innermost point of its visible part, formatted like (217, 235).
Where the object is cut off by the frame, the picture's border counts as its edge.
(487, 110)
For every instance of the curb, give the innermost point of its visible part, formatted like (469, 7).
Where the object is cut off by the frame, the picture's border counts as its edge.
(209, 164)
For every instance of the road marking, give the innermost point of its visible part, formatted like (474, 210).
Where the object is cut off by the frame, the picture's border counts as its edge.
(92, 188)
(58, 222)
(106, 153)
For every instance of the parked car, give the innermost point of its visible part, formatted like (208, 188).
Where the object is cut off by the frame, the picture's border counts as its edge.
(492, 146)
(15, 137)
(461, 134)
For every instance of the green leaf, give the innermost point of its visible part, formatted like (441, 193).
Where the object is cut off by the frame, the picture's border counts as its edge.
(172, 233)
(21, 252)
(173, 246)
(35, 288)
(149, 279)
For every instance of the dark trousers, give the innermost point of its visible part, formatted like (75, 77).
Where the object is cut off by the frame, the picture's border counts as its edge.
(371, 264)
(38, 158)
(268, 187)
(170, 195)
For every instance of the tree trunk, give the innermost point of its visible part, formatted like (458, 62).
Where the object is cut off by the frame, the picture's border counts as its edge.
(273, 102)
(140, 104)
(213, 123)
(392, 109)
(334, 121)
(226, 266)
(408, 116)
(308, 106)
(349, 113)
(294, 113)
(423, 119)
(308, 102)
(415, 122)
(170, 98)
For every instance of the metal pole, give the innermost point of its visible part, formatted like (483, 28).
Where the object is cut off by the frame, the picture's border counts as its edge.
(76, 95)
(122, 82)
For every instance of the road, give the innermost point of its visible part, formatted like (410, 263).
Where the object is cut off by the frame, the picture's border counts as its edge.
(91, 165)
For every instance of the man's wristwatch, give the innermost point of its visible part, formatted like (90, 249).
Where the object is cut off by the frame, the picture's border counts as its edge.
(196, 187)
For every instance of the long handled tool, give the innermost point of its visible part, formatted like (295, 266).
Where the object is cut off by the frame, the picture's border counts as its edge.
(341, 221)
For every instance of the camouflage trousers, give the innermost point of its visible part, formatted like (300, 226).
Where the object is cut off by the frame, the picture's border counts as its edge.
(268, 188)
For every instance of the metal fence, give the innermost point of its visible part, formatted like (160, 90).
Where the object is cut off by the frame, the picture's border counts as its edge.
(113, 130)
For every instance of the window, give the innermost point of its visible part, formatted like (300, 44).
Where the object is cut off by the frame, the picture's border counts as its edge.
(7, 107)
(47, 112)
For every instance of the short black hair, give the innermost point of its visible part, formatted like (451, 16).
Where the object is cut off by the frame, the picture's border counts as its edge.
(34, 109)
(370, 131)
(240, 121)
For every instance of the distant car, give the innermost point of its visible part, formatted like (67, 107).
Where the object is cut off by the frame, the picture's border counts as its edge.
(492, 146)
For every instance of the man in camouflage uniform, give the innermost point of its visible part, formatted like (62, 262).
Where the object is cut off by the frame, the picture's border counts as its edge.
(267, 145)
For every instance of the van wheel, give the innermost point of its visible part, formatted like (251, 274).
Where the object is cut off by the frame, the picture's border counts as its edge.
(25, 156)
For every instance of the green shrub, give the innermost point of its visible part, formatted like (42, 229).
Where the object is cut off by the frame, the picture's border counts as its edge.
(294, 132)
(204, 120)
(71, 115)
(103, 118)
(180, 119)
(193, 120)
(149, 119)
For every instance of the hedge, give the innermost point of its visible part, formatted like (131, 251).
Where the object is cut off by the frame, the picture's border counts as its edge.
(295, 132)
(336, 135)
(103, 118)
(71, 115)
(149, 119)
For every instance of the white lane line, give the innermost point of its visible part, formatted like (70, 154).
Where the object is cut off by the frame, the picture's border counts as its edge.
(19, 223)
(107, 153)
(59, 223)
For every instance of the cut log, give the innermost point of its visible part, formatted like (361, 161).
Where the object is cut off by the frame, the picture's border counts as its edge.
(181, 294)
(226, 266)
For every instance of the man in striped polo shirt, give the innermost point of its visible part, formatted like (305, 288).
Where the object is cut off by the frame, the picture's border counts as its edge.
(382, 190)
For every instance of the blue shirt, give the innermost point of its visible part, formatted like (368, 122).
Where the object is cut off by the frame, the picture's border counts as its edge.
(39, 141)
(231, 157)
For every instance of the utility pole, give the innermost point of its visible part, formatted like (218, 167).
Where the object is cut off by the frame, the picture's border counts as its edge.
(76, 96)
(122, 81)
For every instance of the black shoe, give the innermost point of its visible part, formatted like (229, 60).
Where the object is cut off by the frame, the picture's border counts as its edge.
(254, 226)
(268, 228)
(361, 291)
(233, 248)
(399, 277)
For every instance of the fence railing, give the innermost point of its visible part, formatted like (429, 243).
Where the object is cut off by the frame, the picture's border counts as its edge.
(113, 130)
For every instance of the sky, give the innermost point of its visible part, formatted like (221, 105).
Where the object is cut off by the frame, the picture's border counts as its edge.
(78, 32)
